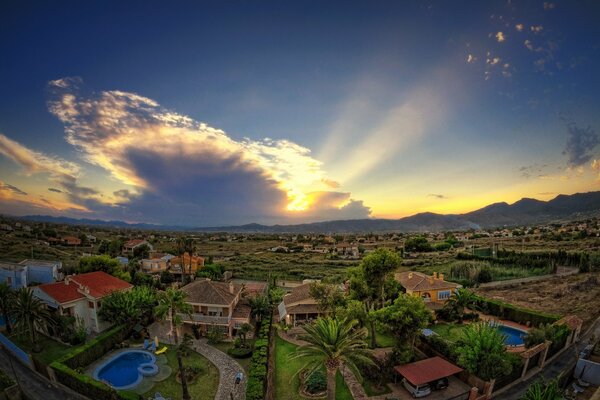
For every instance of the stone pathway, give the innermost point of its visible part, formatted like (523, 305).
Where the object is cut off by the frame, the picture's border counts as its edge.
(226, 365)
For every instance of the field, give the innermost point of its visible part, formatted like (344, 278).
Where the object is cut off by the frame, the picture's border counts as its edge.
(574, 294)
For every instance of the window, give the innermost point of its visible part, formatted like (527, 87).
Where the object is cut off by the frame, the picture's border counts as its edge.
(9, 281)
(444, 295)
(90, 304)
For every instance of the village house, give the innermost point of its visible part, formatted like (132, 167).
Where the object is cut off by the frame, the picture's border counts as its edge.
(130, 246)
(71, 241)
(27, 272)
(433, 289)
(216, 304)
(157, 263)
(81, 296)
(197, 263)
(298, 306)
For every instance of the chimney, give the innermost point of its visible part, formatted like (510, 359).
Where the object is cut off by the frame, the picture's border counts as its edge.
(230, 287)
(410, 275)
(434, 275)
(431, 279)
(441, 277)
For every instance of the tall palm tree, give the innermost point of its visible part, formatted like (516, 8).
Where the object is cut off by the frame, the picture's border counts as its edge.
(180, 250)
(31, 315)
(171, 304)
(332, 342)
(458, 301)
(190, 248)
(6, 298)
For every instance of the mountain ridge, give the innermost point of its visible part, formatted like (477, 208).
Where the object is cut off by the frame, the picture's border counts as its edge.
(525, 211)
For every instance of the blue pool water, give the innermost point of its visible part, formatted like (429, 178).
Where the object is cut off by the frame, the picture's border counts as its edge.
(126, 370)
(513, 337)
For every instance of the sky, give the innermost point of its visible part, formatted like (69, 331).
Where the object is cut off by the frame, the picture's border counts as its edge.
(225, 113)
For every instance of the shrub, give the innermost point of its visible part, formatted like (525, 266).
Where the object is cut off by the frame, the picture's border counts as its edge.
(257, 372)
(513, 313)
(316, 382)
(239, 352)
(5, 381)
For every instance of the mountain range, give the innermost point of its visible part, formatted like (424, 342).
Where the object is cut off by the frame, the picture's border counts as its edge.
(526, 211)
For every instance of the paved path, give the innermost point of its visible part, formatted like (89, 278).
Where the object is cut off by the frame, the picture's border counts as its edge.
(226, 365)
(562, 271)
(34, 385)
(565, 361)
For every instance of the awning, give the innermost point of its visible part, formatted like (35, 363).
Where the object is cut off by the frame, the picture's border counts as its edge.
(429, 370)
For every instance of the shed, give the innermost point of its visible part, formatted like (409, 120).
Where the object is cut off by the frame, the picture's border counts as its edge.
(428, 370)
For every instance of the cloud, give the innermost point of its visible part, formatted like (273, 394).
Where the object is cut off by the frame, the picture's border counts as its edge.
(519, 27)
(55, 190)
(596, 168)
(180, 171)
(533, 170)
(8, 187)
(437, 196)
(471, 58)
(580, 144)
(537, 28)
(500, 37)
(549, 6)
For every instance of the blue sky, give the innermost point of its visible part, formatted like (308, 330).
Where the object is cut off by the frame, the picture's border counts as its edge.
(371, 109)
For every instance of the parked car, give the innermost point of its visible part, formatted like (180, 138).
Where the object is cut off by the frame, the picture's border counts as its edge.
(587, 351)
(416, 391)
(439, 384)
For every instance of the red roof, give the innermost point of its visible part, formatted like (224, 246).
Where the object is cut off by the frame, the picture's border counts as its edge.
(133, 243)
(99, 284)
(428, 370)
(60, 292)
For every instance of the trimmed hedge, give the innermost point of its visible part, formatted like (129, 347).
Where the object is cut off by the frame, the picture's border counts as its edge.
(513, 313)
(257, 373)
(239, 352)
(65, 367)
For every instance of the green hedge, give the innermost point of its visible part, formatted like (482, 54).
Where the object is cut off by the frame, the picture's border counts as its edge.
(239, 352)
(257, 373)
(513, 313)
(64, 368)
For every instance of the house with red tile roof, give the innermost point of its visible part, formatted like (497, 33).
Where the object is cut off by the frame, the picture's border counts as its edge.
(433, 289)
(130, 246)
(81, 296)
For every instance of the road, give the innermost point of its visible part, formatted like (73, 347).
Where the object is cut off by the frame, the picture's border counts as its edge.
(562, 271)
(564, 362)
(34, 385)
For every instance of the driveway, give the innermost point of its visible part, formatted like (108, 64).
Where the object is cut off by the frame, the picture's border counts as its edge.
(456, 389)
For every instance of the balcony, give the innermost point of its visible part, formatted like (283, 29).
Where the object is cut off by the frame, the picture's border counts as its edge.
(206, 319)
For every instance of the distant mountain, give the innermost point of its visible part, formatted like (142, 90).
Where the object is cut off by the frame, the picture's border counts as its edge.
(523, 212)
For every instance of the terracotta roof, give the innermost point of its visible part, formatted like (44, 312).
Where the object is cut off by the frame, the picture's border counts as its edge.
(134, 242)
(428, 370)
(205, 291)
(299, 293)
(241, 311)
(100, 283)
(61, 292)
(303, 309)
(418, 281)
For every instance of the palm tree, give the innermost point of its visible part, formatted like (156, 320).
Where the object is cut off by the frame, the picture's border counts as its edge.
(30, 315)
(180, 250)
(6, 298)
(190, 248)
(543, 391)
(333, 342)
(171, 304)
(243, 331)
(460, 299)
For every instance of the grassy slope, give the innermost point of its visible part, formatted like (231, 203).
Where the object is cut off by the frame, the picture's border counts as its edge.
(51, 349)
(450, 332)
(287, 382)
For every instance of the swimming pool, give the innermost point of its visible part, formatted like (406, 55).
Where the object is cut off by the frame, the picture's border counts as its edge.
(127, 369)
(513, 336)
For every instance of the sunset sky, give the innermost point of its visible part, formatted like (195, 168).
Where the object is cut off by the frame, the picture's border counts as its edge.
(219, 113)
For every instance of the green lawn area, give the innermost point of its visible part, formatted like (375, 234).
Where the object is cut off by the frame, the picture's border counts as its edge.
(51, 349)
(204, 388)
(450, 332)
(384, 339)
(287, 381)
(224, 346)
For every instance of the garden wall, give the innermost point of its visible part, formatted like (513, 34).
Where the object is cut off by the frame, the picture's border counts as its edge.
(66, 369)
(513, 313)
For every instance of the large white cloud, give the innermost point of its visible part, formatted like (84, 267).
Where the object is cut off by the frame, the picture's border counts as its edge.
(177, 170)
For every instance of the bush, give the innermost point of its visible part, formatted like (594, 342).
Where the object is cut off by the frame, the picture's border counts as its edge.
(513, 313)
(5, 381)
(257, 372)
(316, 382)
(239, 352)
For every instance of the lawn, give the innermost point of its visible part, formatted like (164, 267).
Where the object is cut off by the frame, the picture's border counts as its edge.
(51, 349)
(204, 388)
(287, 381)
(224, 346)
(384, 339)
(451, 332)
